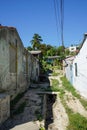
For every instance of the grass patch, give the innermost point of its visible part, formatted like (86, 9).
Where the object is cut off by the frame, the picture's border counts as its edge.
(54, 87)
(41, 128)
(77, 122)
(67, 85)
(55, 82)
(55, 74)
(84, 103)
(38, 115)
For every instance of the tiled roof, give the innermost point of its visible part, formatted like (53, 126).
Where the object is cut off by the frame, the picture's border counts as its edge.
(7, 27)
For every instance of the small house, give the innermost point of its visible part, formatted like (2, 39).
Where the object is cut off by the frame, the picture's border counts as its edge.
(68, 68)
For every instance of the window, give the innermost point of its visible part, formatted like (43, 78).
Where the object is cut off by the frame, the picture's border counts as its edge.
(71, 67)
(16, 42)
(12, 59)
(75, 69)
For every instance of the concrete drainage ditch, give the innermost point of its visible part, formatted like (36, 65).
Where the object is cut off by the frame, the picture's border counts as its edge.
(49, 100)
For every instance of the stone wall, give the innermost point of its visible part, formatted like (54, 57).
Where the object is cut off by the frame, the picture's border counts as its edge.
(4, 107)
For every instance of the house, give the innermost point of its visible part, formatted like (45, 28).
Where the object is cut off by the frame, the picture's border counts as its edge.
(16, 63)
(75, 69)
(68, 68)
(17, 68)
(72, 48)
(36, 53)
(35, 69)
(80, 69)
(12, 73)
(51, 59)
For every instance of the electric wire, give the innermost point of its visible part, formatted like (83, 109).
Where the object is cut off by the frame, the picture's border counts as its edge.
(62, 20)
(56, 14)
(59, 15)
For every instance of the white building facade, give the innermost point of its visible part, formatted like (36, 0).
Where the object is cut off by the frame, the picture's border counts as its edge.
(72, 48)
(68, 68)
(80, 69)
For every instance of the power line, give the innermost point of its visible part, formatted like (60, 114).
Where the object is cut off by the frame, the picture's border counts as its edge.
(56, 14)
(59, 15)
(62, 20)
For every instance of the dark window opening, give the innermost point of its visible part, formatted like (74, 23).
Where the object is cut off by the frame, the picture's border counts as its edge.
(75, 69)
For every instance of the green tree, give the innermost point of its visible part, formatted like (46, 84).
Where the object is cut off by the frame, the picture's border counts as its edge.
(48, 47)
(29, 48)
(36, 41)
(67, 52)
(43, 49)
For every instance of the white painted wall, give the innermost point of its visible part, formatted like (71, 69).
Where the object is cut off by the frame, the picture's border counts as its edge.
(68, 68)
(80, 81)
(72, 48)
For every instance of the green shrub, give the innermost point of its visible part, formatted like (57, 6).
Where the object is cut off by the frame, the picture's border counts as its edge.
(42, 128)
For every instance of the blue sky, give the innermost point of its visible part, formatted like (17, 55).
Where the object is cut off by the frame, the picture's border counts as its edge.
(38, 16)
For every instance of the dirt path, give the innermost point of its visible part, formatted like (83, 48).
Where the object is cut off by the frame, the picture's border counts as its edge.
(74, 104)
(61, 120)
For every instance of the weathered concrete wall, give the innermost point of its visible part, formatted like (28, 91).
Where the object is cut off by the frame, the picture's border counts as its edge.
(34, 69)
(4, 107)
(17, 68)
(12, 76)
(17, 65)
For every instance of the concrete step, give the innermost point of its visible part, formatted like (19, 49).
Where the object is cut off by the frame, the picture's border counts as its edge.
(26, 126)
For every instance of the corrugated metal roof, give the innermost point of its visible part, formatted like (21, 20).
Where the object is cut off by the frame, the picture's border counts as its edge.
(35, 52)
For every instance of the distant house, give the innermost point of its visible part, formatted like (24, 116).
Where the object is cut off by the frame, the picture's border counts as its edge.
(72, 48)
(50, 59)
(68, 68)
(36, 54)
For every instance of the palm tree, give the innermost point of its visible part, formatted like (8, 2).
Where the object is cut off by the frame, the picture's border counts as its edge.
(36, 41)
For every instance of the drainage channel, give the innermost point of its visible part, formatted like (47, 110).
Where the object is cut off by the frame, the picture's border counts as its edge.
(50, 100)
